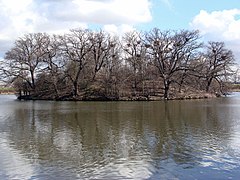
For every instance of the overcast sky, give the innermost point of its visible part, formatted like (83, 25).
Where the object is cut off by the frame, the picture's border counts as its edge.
(217, 20)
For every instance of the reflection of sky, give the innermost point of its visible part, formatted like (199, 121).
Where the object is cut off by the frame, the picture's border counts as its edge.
(126, 169)
(235, 130)
(220, 151)
(122, 165)
(12, 164)
(233, 120)
(5, 105)
(127, 164)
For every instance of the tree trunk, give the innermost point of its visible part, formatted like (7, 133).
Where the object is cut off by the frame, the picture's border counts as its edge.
(55, 88)
(181, 82)
(75, 88)
(209, 81)
(166, 88)
(33, 81)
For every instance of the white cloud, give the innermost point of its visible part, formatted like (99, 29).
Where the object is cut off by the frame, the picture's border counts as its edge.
(115, 11)
(54, 16)
(220, 26)
(118, 30)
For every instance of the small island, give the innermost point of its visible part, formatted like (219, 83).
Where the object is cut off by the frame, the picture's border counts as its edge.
(94, 65)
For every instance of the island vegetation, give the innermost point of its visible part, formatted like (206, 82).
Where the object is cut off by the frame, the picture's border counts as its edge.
(94, 65)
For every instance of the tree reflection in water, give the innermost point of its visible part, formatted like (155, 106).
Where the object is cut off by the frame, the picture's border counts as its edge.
(136, 140)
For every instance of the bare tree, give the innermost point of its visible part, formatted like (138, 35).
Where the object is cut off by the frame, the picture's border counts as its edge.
(135, 57)
(25, 59)
(54, 62)
(75, 47)
(217, 63)
(101, 45)
(171, 52)
(112, 78)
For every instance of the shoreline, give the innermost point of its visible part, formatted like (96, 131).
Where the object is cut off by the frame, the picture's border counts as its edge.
(134, 98)
(7, 93)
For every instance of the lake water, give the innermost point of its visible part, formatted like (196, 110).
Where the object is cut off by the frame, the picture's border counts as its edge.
(192, 139)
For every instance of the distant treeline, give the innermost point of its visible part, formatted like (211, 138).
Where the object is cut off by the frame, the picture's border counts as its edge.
(86, 65)
(6, 90)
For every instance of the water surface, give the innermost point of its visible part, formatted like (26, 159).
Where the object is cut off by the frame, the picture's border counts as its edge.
(197, 139)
